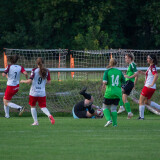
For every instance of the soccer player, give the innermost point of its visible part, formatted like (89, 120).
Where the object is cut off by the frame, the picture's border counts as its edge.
(84, 109)
(131, 79)
(112, 81)
(39, 77)
(12, 73)
(149, 87)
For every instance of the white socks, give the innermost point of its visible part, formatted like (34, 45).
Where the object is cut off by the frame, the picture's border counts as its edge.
(13, 105)
(141, 111)
(155, 105)
(46, 111)
(6, 109)
(121, 107)
(34, 114)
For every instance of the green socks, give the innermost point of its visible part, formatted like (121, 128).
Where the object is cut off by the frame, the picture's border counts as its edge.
(127, 106)
(107, 114)
(114, 118)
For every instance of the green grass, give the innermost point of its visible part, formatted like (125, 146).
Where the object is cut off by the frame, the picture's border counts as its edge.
(84, 139)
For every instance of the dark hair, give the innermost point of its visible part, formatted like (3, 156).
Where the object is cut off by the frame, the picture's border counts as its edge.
(43, 71)
(154, 58)
(112, 63)
(13, 59)
(130, 55)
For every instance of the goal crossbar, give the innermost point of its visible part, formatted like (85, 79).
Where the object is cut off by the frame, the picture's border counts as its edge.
(82, 69)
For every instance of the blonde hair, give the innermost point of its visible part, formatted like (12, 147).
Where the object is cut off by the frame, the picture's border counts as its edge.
(43, 71)
(112, 63)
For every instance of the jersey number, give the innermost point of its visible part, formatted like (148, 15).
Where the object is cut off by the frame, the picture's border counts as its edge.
(115, 81)
(15, 75)
(39, 80)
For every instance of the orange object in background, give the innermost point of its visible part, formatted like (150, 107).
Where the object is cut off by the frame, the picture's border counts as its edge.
(72, 65)
(5, 60)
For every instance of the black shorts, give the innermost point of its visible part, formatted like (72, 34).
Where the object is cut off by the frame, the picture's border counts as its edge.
(128, 87)
(83, 114)
(107, 101)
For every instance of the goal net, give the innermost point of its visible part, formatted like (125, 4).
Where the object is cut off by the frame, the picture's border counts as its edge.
(63, 92)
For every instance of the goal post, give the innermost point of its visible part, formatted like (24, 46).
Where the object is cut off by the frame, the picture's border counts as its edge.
(71, 71)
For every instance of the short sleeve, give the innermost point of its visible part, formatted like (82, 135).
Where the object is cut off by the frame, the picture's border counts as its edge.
(105, 76)
(7, 69)
(32, 74)
(153, 70)
(133, 67)
(22, 69)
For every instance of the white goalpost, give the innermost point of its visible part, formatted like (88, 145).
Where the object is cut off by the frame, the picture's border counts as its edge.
(70, 71)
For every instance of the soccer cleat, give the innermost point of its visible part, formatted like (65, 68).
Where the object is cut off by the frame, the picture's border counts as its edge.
(121, 110)
(130, 115)
(83, 91)
(21, 110)
(35, 124)
(51, 119)
(108, 123)
(139, 118)
(7, 116)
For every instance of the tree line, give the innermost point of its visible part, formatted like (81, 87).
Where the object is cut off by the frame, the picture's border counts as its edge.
(80, 24)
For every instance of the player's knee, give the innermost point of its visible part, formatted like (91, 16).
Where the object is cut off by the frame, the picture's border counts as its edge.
(5, 102)
(113, 108)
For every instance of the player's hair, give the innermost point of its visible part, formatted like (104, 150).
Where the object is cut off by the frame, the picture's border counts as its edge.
(43, 71)
(154, 58)
(13, 59)
(130, 55)
(112, 63)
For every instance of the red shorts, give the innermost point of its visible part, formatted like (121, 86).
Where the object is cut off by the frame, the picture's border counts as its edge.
(10, 92)
(41, 101)
(147, 92)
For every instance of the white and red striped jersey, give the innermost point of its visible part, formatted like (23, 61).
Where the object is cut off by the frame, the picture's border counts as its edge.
(151, 71)
(38, 83)
(13, 72)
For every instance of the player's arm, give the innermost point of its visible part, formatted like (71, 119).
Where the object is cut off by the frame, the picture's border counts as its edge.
(96, 107)
(48, 78)
(26, 74)
(105, 76)
(28, 81)
(48, 81)
(141, 72)
(154, 80)
(135, 81)
(134, 75)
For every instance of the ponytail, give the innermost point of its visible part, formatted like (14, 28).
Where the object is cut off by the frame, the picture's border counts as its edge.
(112, 63)
(42, 71)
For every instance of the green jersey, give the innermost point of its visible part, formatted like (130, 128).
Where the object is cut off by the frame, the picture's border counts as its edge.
(114, 79)
(131, 70)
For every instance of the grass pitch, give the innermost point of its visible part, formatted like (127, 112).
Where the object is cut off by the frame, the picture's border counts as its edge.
(84, 139)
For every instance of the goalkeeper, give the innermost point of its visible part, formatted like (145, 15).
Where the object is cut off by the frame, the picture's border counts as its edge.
(84, 109)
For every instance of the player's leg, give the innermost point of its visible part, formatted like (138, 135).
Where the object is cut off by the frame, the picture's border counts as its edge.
(121, 108)
(141, 107)
(6, 108)
(127, 106)
(32, 103)
(114, 114)
(127, 88)
(9, 93)
(42, 104)
(106, 111)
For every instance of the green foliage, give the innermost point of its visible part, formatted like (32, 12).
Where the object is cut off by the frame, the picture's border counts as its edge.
(78, 24)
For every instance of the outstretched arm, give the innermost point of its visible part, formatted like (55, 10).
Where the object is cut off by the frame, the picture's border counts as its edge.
(26, 74)
(28, 81)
